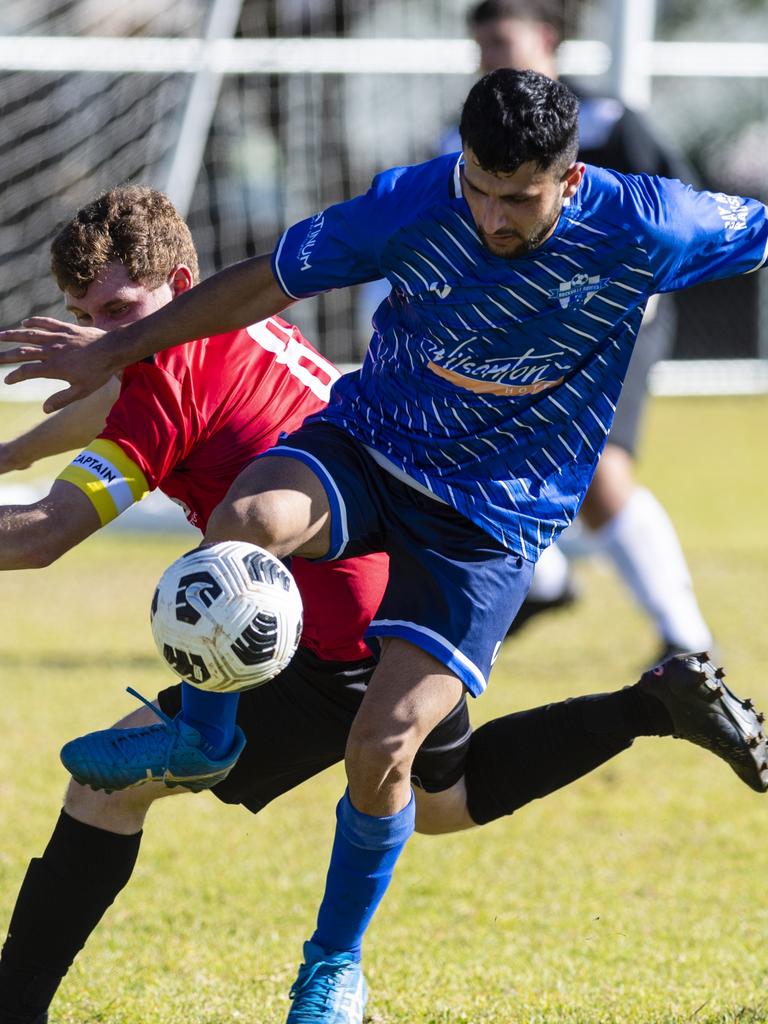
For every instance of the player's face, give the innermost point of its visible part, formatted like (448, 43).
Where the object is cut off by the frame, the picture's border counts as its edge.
(516, 212)
(516, 43)
(114, 300)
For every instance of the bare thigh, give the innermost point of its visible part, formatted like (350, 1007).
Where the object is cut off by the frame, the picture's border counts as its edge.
(278, 503)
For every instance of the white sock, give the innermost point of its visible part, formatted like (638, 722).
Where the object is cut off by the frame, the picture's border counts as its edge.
(645, 549)
(551, 576)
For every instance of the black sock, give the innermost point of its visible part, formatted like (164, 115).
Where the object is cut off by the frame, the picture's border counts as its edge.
(644, 713)
(62, 898)
(525, 756)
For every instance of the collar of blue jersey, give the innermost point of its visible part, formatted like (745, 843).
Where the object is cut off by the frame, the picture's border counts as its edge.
(456, 178)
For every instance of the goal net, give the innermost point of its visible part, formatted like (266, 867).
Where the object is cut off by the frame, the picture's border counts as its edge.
(68, 134)
(251, 114)
(279, 143)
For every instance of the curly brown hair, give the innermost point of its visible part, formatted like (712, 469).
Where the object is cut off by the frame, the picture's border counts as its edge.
(133, 224)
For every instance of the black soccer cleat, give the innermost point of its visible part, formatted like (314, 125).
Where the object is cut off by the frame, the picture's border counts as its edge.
(704, 711)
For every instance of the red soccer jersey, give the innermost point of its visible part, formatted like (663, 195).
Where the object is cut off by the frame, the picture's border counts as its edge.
(193, 416)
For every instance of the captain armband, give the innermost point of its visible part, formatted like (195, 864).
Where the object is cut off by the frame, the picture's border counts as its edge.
(108, 477)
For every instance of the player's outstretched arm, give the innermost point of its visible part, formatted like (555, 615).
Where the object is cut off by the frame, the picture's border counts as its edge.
(33, 536)
(235, 297)
(68, 429)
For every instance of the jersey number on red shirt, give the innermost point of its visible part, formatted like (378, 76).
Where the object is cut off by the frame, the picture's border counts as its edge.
(308, 366)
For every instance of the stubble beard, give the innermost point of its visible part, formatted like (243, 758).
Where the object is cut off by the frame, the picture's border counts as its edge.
(524, 245)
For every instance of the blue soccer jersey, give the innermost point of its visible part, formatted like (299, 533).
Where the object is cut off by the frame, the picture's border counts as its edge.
(492, 382)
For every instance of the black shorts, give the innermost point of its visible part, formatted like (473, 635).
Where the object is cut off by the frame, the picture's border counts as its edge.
(297, 725)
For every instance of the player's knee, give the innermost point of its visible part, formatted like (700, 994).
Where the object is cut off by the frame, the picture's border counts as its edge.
(376, 759)
(123, 811)
(252, 518)
(277, 503)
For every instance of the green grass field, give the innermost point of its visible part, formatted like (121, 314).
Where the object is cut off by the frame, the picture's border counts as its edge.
(637, 896)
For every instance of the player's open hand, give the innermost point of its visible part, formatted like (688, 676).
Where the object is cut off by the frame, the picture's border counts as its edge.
(52, 348)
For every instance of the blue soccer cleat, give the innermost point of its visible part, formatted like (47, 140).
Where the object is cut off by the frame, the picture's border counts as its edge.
(330, 989)
(169, 752)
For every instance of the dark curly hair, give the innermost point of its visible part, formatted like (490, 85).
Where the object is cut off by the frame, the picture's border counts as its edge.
(516, 117)
(133, 224)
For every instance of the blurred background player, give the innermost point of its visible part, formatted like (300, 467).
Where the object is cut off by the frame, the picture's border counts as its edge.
(619, 518)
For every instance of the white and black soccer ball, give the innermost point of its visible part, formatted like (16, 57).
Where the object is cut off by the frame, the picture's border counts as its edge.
(227, 617)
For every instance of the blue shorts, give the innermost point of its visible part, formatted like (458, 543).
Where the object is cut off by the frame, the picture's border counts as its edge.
(453, 589)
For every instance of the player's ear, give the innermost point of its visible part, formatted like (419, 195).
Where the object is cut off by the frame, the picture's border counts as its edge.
(180, 279)
(572, 179)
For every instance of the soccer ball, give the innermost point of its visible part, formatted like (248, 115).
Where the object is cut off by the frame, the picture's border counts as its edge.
(227, 617)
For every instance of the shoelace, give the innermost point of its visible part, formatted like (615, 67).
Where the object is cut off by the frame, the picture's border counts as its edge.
(130, 737)
(319, 996)
(155, 710)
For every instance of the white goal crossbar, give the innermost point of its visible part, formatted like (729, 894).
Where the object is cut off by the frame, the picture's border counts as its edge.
(350, 55)
(267, 56)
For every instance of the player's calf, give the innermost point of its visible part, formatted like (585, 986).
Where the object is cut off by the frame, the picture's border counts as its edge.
(121, 812)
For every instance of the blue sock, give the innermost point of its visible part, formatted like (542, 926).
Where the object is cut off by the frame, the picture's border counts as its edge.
(213, 715)
(364, 855)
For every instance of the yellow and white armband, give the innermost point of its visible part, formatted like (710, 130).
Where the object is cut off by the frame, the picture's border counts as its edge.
(108, 477)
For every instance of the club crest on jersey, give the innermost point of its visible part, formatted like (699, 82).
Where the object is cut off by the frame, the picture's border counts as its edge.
(578, 290)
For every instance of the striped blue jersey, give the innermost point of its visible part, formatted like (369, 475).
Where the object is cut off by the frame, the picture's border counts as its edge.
(493, 382)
